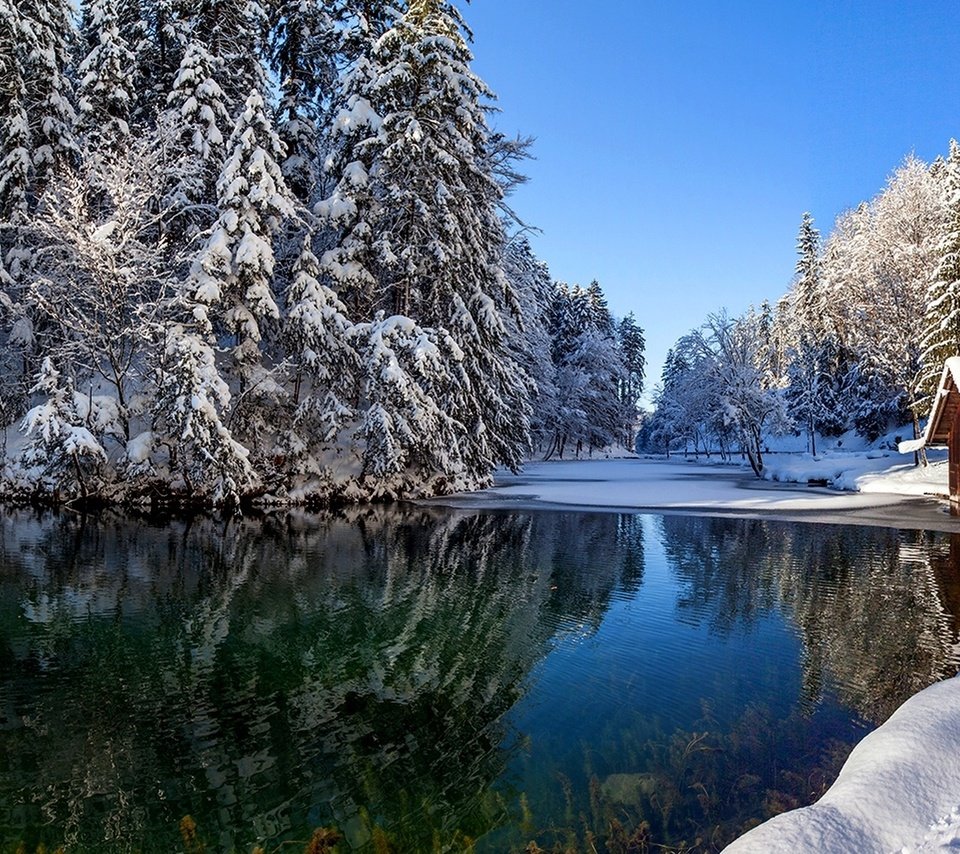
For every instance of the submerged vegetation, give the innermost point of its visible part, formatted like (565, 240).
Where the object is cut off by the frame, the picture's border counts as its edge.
(700, 790)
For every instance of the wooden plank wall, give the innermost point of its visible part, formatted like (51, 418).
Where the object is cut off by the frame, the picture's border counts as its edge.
(953, 445)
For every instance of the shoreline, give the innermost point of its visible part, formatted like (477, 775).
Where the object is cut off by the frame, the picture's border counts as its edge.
(689, 488)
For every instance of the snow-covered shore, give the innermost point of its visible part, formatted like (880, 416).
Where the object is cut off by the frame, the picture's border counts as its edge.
(891, 491)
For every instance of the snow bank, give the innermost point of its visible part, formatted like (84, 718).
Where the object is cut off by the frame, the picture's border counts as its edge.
(897, 792)
(873, 471)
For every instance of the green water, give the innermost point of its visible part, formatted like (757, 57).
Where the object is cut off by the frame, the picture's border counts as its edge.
(430, 680)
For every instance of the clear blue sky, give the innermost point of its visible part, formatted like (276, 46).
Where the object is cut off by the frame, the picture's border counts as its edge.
(678, 144)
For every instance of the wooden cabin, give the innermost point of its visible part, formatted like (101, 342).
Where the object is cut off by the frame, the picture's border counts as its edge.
(943, 426)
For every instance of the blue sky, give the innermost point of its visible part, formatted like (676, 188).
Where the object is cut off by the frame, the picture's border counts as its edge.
(678, 144)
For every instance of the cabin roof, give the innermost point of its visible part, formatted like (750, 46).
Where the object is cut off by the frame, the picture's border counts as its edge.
(946, 401)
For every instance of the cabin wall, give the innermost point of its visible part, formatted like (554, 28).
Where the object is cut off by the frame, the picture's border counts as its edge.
(953, 444)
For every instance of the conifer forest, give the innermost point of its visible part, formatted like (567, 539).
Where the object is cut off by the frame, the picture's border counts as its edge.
(263, 250)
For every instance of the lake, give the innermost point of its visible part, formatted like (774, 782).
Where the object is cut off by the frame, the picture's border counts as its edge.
(421, 679)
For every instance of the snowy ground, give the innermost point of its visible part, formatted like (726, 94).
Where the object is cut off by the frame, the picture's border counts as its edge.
(874, 471)
(891, 490)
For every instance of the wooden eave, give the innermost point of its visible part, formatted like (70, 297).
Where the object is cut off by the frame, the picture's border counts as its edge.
(944, 410)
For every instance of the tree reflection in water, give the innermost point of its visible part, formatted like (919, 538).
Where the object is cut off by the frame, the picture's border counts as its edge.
(271, 675)
(876, 609)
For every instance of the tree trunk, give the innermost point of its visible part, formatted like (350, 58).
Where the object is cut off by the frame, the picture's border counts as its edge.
(919, 457)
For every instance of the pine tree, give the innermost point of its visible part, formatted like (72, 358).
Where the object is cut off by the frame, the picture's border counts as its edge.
(235, 32)
(812, 394)
(304, 51)
(232, 278)
(199, 112)
(590, 374)
(807, 305)
(941, 328)
(318, 337)
(60, 449)
(191, 399)
(418, 214)
(814, 370)
(49, 90)
(632, 346)
(411, 444)
(352, 144)
(16, 165)
(600, 315)
(149, 28)
(106, 94)
(528, 334)
(670, 419)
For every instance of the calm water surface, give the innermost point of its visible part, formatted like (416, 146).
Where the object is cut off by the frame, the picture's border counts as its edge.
(432, 680)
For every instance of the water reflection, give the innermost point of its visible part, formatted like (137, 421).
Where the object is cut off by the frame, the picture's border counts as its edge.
(271, 675)
(382, 671)
(877, 609)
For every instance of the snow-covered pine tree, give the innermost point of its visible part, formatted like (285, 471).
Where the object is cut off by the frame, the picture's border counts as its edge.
(232, 278)
(324, 361)
(600, 315)
(417, 206)
(188, 417)
(305, 47)
(503, 156)
(528, 334)
(690, 413)
(410, 444)
(772, 355)
(812, 394)
(807, 304)
(16, 165)
(150, 28)
(316, 325)
(49, 90)
(61, 454)
(941, 326)
(632, 346)
(362, 23)
(589, 372)
(235, 32)
(106, 84)
(352, 145)
(199, 113)
(596, 373)
(814, 371)
(668, 427)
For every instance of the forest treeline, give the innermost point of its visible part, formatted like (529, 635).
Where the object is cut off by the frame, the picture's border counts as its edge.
(857, 343)
(263, 248)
